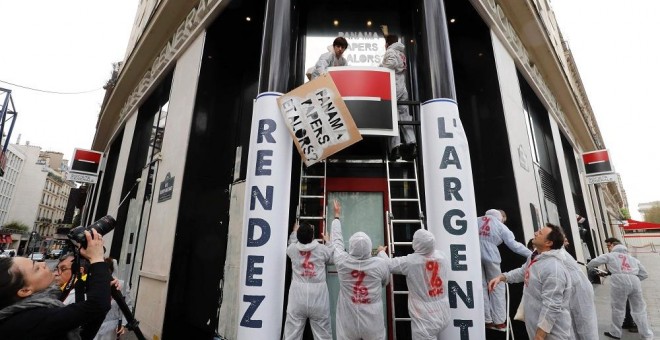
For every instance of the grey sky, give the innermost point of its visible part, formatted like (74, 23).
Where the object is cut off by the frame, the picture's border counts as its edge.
(616, 48)
(64, 46)
(69, 46)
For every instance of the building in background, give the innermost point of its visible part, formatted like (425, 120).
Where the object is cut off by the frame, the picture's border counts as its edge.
(644, 208)
(175, 132)
(14, 166)
(42, 194)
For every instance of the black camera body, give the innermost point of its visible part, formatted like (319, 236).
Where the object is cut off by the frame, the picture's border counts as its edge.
(103, 226)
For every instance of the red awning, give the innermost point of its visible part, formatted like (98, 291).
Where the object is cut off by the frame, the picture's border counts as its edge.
(6, 238)
(640, 225)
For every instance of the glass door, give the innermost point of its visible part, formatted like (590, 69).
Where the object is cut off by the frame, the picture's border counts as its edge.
(363, 202)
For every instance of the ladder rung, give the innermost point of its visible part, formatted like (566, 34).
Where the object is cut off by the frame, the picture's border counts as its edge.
(404, 200)
(400, 292)
(402, 243)
(311, 217)
(401, 319)
(311, 196)
(403, 179)
(405, 221)
(312, 176)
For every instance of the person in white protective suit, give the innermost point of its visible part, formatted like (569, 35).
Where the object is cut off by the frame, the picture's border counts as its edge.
(547, 287)
(361, 280)
(308, 293)
(395, 59)
(426, 275)
(331, 58)
(492, 233)
(627, 273)
(581, 304)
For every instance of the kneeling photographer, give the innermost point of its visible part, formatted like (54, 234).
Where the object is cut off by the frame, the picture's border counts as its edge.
(29, 304)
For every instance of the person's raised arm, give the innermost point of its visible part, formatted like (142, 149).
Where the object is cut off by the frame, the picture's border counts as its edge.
(293, 238)
(337, 238)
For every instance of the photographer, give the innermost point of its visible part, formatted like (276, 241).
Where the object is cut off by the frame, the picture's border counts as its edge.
(29, 305)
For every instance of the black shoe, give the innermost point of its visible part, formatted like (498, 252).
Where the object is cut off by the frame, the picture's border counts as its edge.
(607, 334)
(395, 153)
(633, 329)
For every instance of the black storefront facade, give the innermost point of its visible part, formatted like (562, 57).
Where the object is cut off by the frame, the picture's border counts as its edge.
(179, 121)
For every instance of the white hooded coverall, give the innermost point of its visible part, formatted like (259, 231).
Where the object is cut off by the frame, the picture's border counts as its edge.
(627, 273)
(581, 304)
(426, 275)
(545, 294)
(361, 280)
(308, 293)
(395, 59)
(326, 60)
(492, 233)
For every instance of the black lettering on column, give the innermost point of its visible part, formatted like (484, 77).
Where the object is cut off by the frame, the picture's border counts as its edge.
(262, 163)
(266, 129)
(455, 289)
(461, 224)
(456, 258)
(255, 301)
(266, 202)
(452, 187)
(450, 157)
(265, 232)
(442, 132)
(463, 325)
(251, 271)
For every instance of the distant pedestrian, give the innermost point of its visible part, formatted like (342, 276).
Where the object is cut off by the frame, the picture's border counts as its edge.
(628, 322)
(627, 274)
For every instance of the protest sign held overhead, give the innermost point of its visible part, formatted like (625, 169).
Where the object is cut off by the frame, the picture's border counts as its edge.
(318, 120)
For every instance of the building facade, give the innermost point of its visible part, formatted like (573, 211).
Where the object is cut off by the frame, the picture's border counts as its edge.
(176, 127)
(14, 166)
(42, 193)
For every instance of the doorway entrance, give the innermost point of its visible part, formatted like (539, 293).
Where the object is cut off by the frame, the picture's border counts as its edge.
(364, 203)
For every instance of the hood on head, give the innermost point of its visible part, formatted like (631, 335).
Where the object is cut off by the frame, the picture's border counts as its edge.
(620, 248)
(495, 213)
(359, 246)
(423, 242)
(397, 46)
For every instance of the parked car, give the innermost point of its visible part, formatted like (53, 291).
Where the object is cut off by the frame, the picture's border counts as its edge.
(8, 253)
(55, 253)
(37, 256)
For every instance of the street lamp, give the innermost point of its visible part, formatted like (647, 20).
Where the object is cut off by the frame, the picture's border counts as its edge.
(30, 246)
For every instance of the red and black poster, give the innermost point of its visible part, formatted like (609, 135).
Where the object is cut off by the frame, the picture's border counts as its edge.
(370, 95)
(86, 161)
(597, 162)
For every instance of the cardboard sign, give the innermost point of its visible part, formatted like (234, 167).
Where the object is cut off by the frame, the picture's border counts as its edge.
(318, 120)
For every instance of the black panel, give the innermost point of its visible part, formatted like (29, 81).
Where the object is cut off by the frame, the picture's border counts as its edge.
(221, 122)
(481, 111)
(103, 198)
(138, 156)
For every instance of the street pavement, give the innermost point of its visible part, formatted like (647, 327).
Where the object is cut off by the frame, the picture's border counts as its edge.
(650, 289)
(651, 295)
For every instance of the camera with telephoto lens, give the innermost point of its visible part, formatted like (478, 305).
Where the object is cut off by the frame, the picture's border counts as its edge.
(102, 226)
